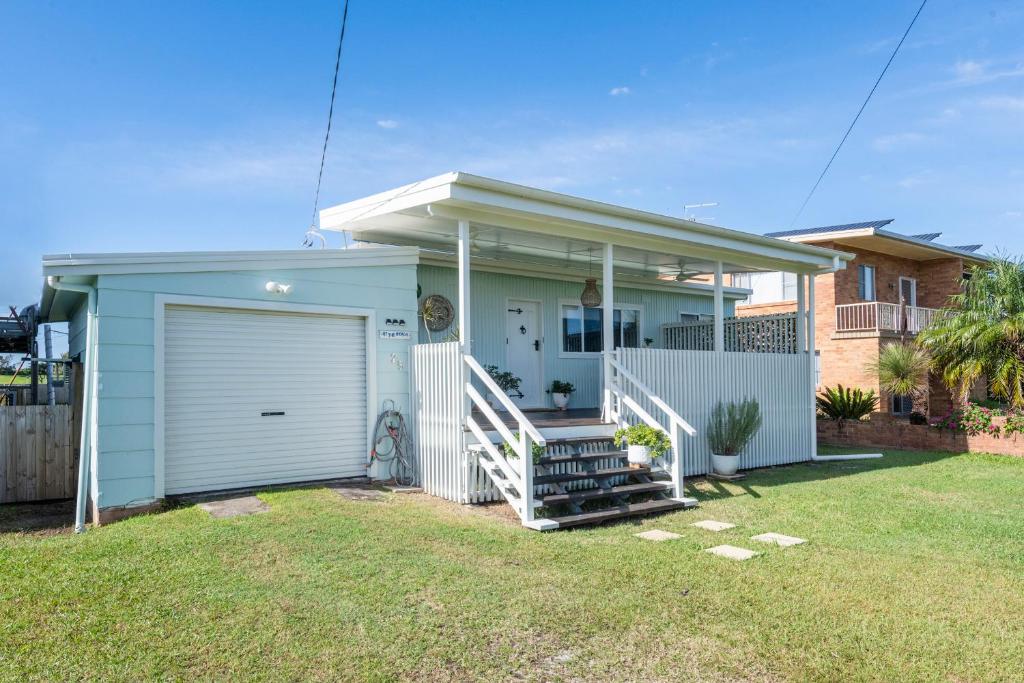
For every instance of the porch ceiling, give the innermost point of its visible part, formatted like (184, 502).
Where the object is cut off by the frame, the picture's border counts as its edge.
(516, 223)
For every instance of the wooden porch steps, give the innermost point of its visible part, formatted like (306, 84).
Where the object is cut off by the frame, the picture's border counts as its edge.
(579, 483)
(619, 512)
(583, 495)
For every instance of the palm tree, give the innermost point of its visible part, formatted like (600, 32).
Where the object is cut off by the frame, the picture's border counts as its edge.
(982, 333)
(902, 369)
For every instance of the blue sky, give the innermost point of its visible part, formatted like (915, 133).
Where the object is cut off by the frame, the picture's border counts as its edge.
(138, 126)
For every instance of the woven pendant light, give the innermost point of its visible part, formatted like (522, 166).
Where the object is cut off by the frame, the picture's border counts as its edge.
(590, 297)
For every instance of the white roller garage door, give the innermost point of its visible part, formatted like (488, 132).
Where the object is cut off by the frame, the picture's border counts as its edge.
(255, 397)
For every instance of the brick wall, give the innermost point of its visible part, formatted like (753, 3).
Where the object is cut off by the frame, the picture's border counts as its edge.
(886, 431)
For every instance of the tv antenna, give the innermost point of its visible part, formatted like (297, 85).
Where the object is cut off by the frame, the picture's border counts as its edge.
(688, 208)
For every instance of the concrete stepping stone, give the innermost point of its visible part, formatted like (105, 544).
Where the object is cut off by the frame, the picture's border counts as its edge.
(657, 535)
(778, 539)
(732, 552)
(361, 493)
(234, 507)
(712, 525)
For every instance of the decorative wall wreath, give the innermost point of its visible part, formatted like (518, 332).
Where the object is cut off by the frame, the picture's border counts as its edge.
(437, 312)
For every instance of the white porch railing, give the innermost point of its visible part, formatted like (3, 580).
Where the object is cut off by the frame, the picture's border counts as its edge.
(628, 394)
(878, 316)
(691, 382)
(517, 472)
(444, 399)
(757, 333)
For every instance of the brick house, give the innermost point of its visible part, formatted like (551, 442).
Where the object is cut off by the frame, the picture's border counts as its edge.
(893, 288)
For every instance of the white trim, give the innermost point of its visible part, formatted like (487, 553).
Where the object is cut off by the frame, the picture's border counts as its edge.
(913, 290)
(462, 192)
(702, 316)
(543, 345)
(211, 261)
(162, 301)
(595, 354)
(622, 280)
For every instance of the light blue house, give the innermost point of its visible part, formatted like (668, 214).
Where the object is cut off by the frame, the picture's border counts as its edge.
(210, 371)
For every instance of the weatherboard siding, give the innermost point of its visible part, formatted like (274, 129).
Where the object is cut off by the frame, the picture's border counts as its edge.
(126, 360)
(489, 293)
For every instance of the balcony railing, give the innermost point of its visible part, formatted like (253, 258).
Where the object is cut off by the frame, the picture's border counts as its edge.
(875, 316)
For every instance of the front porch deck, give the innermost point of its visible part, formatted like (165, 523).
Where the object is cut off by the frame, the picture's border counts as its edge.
(552, 419)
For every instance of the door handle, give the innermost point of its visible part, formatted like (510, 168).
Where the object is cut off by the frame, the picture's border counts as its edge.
(536, 344)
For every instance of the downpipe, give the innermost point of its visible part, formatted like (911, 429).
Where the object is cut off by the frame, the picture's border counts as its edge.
(85, 448)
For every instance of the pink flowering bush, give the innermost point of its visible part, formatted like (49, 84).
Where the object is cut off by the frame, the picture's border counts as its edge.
(970, 419)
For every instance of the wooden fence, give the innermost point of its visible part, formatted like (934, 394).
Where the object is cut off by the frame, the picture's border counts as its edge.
(754, 334)
(38, 453)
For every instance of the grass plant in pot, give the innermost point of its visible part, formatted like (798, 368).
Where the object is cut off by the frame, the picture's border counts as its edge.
(730, 429)
(560, 393)
(643, 443)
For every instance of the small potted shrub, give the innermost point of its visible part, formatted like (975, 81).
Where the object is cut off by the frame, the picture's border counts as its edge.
(506, 381)
(730, 429)
(643, 443)
(560, 393)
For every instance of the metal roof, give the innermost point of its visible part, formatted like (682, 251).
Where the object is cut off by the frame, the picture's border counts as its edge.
(832, 228)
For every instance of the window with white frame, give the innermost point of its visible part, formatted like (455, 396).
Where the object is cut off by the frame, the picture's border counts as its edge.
(582, 328)
(789, 286)
(866, 283)
(688, 317)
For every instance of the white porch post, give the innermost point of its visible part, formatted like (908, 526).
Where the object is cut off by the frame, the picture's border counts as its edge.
(607, 331)
(464, 337)
(719, 328)
(811, 363)
(465, 348)
(801, 315)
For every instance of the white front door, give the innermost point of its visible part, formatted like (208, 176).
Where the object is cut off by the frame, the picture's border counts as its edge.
(525, 355)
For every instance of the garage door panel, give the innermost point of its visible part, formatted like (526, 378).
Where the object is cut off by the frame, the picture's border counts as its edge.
(224, 367)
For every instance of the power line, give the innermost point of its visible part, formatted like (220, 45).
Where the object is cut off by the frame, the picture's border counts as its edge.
(859, 112)
(313, 233)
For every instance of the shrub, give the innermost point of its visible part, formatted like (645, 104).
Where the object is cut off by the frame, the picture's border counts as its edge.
(1014, 424)
(918, 419)
(970, 419)
(537, 449)
(560, 387)
(841, 404)
(902, 369)
(642, 435)
(506, 381)
(732, 426)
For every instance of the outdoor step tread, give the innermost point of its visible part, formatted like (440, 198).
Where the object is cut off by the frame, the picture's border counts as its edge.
(580, 457)
(578, 440)
(596, 493)
(618, 512)
(594, 474)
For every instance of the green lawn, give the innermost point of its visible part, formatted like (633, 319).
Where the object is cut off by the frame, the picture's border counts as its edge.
(914, 571)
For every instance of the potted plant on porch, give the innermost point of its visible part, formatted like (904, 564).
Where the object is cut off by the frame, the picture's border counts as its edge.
(560, 393)
(730, 429)
(506, 381)
(643, 443)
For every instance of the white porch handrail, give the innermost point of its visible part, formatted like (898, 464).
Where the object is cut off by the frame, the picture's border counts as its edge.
(519, 475)
(676, 425)
(880, 316)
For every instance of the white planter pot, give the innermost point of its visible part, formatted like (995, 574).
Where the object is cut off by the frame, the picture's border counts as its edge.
(561, 400)
(725, 464)
(639, 455)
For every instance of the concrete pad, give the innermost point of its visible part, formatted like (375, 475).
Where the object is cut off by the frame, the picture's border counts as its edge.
(778, 539)
(360, 493)
(657, 535)
(732, 552)
(712, 525)
(234, 507)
